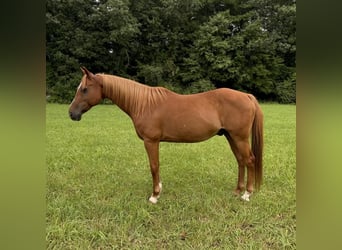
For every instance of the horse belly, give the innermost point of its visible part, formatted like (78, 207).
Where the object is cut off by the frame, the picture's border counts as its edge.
(189, 128)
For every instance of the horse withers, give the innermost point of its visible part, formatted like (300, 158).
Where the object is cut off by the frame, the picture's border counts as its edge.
(160, 115)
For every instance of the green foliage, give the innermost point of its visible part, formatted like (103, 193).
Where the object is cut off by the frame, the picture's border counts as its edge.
(249, 45)
(97, 34)
(201, 86)
(98, 181)
(152, 74)
(286, 91)
(235, 52)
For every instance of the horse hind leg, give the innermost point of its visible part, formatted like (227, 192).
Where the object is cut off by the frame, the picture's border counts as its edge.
(250, 162)
(244, 157)
(247, 159)
(241, 166)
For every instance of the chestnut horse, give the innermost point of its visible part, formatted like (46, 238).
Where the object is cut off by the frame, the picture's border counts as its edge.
(160, 115)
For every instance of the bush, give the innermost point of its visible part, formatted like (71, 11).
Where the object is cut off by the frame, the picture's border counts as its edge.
(200, 86)
(63, 90)
(152, 74)
(286, 91)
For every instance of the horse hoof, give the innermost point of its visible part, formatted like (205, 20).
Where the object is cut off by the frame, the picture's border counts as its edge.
(246, 196)
(153, 199)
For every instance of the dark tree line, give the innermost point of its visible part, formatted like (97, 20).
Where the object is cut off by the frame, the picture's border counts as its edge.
(185, 45)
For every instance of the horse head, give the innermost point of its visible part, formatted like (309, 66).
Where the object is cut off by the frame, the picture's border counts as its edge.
(88, 94)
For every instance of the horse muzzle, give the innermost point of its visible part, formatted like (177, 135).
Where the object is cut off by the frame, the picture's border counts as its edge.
(75, 116)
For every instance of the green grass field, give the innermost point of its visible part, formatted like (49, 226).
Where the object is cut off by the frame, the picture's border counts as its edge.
(98, 182)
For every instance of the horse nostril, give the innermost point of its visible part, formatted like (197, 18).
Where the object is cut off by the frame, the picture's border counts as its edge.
(75, 117)
(72, 116)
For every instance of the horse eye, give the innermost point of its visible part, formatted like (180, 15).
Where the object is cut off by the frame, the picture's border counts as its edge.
(84, 90)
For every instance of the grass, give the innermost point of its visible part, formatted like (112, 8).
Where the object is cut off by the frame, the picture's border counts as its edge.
(98, 182)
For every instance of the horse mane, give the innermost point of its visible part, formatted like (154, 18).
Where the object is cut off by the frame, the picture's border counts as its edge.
(133, 97)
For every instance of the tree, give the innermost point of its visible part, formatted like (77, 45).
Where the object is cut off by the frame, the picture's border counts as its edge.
(245, 51)
(186, 45)
(97, 34)
(233, 51)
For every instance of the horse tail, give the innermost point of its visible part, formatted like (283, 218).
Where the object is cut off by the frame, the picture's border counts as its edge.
(257, 141)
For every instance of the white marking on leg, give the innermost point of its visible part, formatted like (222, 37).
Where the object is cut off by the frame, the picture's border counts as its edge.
(246, 196)
(161, 187)
(154, 199)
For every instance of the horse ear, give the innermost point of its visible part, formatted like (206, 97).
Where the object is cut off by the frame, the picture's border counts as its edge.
(86, 72)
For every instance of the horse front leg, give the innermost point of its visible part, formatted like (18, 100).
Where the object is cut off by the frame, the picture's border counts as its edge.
(152, 149)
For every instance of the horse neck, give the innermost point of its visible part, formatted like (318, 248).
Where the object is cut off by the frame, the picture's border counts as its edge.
(133, 98)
